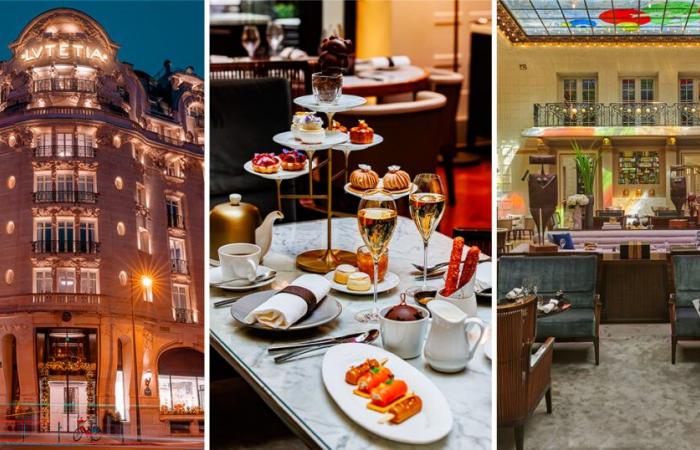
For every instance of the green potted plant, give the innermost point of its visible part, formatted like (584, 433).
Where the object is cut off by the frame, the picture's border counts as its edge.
(585, 168)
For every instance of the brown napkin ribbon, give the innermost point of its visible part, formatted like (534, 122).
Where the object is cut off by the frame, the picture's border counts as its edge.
(305, 295)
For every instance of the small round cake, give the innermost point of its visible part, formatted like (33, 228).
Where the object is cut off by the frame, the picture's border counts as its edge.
(364, 178)
(396, 179)
(310, 130)
(296, 122)
(293, 160)
(342, 272)
(359, 281)
(361, 134)
(266, 163)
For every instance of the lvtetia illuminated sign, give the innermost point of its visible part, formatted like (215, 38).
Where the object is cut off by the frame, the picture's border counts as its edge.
(63, 50)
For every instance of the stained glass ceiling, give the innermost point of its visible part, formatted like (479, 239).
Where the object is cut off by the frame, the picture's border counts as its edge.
(583, 20)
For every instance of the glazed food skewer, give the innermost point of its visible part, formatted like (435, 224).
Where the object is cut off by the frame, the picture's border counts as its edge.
(403, 409)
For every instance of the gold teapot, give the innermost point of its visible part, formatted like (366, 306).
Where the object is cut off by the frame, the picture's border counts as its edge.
(237, 221)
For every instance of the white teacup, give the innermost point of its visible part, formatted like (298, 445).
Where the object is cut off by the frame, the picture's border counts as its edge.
(404, 339)
(239, 261)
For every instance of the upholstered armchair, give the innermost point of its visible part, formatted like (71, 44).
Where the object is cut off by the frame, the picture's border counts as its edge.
(685, 323)
(523, 377)
(574, 274)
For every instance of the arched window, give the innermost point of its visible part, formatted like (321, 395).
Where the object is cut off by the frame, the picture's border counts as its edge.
(181, 380)
(120, 393)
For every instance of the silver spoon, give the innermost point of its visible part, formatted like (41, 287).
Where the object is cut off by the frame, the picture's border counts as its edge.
(241, 282)
(364, 338)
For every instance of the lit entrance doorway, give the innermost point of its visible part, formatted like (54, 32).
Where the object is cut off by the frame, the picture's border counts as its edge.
(68, 402)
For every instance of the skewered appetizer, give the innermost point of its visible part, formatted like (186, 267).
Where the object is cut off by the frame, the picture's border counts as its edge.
(343, 272)
(353, 375)
(396, 179)
(364, 178)
(337, 126)
(293, 160)
(455, 280)
(403, 409)
(373, 378)
(310, 129)
(387, 393)
(361, 134)
(266, 163)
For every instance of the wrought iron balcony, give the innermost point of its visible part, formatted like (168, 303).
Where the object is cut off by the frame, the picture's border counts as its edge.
(64, 197)
(184, 315)
(65, 298)
(64, 151)
(65, 246)
(616, 114)
(64, 85)
(176, 221)
(178, 266)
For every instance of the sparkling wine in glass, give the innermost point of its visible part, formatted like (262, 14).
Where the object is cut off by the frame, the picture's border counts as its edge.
(275, 36)
(427, 205)
(376, 220)
(250, 39)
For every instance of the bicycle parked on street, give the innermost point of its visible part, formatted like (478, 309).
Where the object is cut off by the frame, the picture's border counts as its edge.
(86, 428)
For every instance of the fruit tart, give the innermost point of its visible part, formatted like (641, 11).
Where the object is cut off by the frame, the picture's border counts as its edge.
(337, 126)
(364, 178)
(361, 134)
(293, 160)
(310, 129)
(396, 179)
(266, 163)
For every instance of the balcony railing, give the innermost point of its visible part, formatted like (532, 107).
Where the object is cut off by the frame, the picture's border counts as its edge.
(64, 197)
(64, 151)
(183, 315)
(64, 85)
(616, 114)
(65, 246)
(64, 298)
(178, 266)
(176, 221)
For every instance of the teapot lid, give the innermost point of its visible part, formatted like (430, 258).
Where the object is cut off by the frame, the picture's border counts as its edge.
(235, 199)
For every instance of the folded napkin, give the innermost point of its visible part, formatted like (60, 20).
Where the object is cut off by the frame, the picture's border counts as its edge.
(284, 309)
(384, 62)
(515, 293)
(548, 306)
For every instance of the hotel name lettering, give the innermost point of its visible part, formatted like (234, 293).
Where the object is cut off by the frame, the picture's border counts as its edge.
(63, 50)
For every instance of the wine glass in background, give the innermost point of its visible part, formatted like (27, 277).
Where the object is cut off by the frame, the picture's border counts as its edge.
(528, 285)
(250, 39)
(376, 219)
(275, 36)
(426, 204)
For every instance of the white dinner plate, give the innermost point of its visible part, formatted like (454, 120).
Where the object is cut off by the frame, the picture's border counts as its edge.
(431, 424)
(345, 102)
(390, 281)
(332, 138)
(215, 277)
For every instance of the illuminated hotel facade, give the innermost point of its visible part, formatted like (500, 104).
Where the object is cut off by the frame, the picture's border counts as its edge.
(101, 261)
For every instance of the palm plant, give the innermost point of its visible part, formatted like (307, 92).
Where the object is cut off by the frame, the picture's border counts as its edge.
(585, 166)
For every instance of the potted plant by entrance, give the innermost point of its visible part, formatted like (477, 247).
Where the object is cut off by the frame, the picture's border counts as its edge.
(585, 169)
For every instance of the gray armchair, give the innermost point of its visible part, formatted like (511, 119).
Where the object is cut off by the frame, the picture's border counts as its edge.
(685, 323)
(576, 275)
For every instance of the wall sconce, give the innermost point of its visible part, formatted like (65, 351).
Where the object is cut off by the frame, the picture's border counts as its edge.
(147, 381)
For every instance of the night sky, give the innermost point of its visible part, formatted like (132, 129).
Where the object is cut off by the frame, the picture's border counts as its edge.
(148, 32)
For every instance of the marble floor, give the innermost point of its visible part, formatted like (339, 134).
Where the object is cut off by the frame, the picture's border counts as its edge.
(635, 398)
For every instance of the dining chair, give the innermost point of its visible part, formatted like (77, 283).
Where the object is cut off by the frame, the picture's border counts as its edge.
(529, 228)
(685, 287)
(501, 242)
(481, 237)
(523, 378)
(449, 84)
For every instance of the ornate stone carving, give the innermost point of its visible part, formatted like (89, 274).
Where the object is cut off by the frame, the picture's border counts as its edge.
(20, 88)
(105, 136)
(108, 90)
(147, 339)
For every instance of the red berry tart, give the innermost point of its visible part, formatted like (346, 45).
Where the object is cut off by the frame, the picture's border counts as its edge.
(266, 163)
(293, 160)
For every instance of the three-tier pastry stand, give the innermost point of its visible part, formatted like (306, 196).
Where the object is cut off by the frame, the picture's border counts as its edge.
(327, 259)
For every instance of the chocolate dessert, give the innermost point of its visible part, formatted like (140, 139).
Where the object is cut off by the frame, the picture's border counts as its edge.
(334, 56)
(404, 312)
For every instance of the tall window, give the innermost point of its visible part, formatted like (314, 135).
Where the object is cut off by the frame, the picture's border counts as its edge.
(44, 235)
(178, 259)
(638, 89)
(43, 281)
(86, 182)
(43, 187)
(64, 231)
(64, 187)
(173, 169)
(144, 240)
(43, 144)
(181, 304)
(119, 385)
(579, 89)
(688, 89)
(88, 281)
(174, 212)
(66, 280)
(84, 145)
(140, 194)
(64, 144)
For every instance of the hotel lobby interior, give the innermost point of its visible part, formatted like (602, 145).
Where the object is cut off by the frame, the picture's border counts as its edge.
(598, 164)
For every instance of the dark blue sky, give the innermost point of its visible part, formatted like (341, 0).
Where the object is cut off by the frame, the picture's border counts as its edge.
(148, 32)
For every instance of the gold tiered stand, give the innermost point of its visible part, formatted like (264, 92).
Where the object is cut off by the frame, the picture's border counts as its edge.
(327, 259)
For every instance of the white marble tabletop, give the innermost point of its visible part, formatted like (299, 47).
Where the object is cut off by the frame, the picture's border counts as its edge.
(295, 389)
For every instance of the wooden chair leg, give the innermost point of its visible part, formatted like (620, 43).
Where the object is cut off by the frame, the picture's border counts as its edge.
(674, 344)
(596, 342)
(519, 437)
(548, 399)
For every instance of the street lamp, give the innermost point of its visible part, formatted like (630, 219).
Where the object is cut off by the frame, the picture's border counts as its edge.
(147, 284)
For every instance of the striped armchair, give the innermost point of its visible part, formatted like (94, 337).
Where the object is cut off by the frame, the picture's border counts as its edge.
(523, 377)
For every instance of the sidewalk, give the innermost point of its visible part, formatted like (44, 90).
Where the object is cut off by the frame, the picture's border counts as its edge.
(51, 440)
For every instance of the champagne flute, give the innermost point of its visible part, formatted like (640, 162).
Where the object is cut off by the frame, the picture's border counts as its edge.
(250, 39)
(376, 219)
(275, 36)
(426, 204)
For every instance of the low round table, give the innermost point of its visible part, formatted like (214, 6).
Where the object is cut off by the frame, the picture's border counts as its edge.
(368, 82)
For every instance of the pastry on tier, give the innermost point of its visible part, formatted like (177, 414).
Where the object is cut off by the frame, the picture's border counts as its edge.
(266, 163)
(359, 281)
(396, 179)
(310, 129)
(361, 134)
(343, 272)
(364, 178)
(293, 160)
(296, 122)
(337, 126)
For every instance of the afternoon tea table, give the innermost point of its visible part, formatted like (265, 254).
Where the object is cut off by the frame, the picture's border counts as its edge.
(294, 390)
